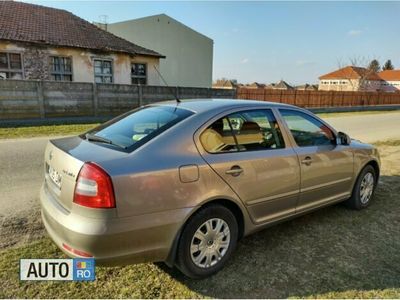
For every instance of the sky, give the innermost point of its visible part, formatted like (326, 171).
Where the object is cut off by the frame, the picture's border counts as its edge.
(268, 41)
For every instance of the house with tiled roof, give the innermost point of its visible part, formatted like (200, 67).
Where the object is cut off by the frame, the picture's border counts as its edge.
(270, 86)
(307, 87)
(43, 43)
(283, 85)
(350, 78)
(256, 85)
(390, 80)
(225, 84)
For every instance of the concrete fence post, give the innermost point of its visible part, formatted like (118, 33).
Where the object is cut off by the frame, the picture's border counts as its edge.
(95, 100)
(40, 95)
(140, 95)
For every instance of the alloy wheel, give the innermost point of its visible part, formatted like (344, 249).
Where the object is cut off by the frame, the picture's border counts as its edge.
(210, 243)
(366, 188)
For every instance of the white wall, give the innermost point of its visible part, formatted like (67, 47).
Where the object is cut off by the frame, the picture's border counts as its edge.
(83, 62)
(391, 86)
(348, 85)
(338, 85)
(189, 54)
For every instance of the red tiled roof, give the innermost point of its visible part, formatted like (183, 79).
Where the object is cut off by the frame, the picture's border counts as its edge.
(390, 75)
(23, 22)
(351, 72)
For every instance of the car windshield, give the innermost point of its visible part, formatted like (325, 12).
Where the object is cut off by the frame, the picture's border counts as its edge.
(134, 129)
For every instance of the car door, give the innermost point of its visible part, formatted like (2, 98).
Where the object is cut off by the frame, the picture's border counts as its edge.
(326, 168)
(249, 152)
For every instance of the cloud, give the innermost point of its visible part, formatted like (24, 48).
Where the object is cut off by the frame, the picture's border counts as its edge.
(244, 61)
(354, 32)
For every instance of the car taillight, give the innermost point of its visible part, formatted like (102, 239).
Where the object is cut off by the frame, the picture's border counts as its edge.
(94, 187)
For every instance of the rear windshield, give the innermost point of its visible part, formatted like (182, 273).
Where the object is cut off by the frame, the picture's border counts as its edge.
(134, 129)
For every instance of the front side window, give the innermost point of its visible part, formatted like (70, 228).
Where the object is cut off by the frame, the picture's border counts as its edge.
(139, 73)
(103, 71)
(10, 66)
(136, 128)
(243, 131)
(306, 130)
(61, 68)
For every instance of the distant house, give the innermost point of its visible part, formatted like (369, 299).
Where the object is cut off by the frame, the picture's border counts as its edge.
(43, 43)
(256, 85)
(270, 86)
(189, 53)
(283, 85)
(350, 79)
(225, 84)
(390, 80)
(307, 87)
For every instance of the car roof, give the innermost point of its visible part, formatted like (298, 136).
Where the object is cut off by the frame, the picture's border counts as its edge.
(202, 105)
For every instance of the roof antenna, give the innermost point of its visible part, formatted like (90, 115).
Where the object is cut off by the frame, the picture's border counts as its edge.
(166, 84)
(103, 22)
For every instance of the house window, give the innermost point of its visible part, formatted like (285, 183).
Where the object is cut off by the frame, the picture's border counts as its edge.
(10, 66)
(61, 68)
(103, 72)
(139, 73)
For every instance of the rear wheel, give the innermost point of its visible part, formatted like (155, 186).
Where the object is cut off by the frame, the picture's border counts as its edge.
(207, 241)
(363, 189)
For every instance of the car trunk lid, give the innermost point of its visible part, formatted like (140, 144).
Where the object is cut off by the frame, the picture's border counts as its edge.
(65, 157)
(61, 172)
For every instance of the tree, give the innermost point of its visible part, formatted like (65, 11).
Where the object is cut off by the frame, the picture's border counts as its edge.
(224, 79)
(365, 71)
(374, 66)
(388, 65)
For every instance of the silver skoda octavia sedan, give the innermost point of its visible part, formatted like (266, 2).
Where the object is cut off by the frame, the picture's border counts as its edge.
(183, 182)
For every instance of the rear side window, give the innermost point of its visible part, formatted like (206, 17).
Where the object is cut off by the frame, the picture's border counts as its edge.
(140, 126)
(218, 137)
(306, 130)
(243, 131)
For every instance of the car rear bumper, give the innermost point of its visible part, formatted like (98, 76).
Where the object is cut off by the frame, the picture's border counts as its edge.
(112, 241)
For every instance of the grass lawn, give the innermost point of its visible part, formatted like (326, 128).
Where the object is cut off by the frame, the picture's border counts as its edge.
(387, 143)
(332, 253)
(74, 129)
(47, 130)
(352, 113)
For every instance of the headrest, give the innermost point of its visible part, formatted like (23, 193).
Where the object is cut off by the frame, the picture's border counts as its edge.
(218, 126)
(248, 127)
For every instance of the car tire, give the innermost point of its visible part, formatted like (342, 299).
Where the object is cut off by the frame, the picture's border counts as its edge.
(364, 189)
(207, 241)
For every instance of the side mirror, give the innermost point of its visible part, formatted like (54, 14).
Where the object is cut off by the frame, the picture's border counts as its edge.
(343, 139)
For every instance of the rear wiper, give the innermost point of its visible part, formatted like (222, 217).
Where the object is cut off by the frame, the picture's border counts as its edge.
(96, 138)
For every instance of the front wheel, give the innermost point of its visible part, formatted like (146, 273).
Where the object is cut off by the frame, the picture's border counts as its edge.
(363, 189)
(207, 241)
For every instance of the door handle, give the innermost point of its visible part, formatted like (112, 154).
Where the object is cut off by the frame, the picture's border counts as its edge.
(234, 171)
(307, 161)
